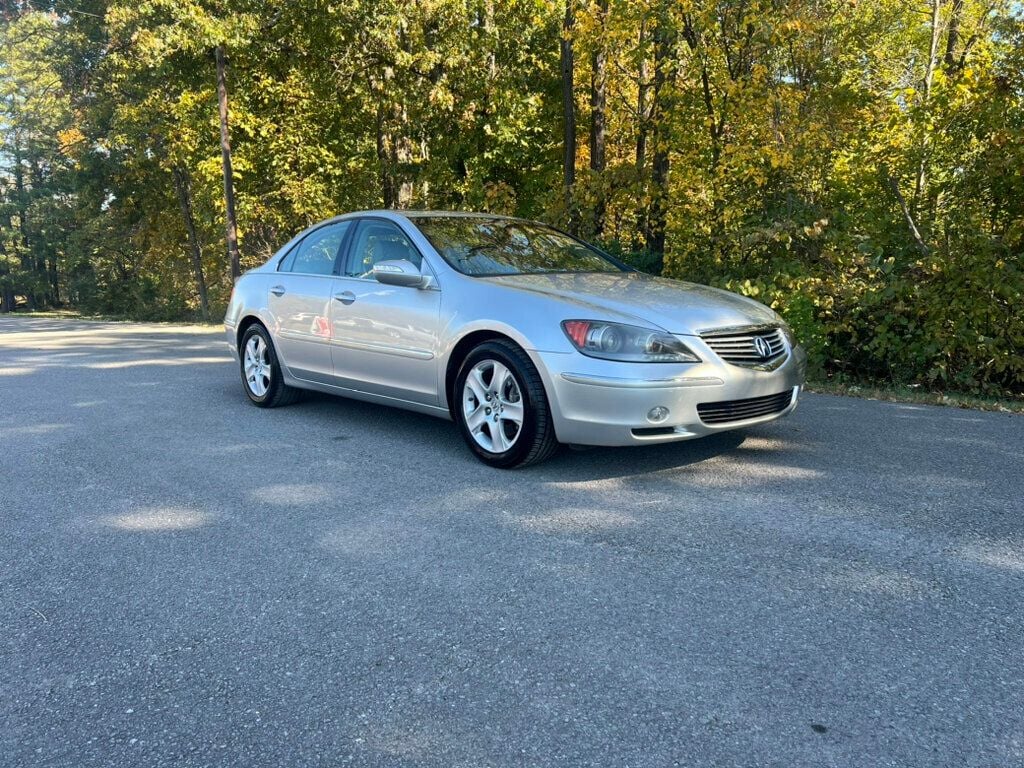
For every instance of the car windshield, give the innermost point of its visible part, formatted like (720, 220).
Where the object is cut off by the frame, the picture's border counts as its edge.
(482, 247)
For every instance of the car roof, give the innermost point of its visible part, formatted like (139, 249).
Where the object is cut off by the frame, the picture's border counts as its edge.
(453, 214)
(392, 213)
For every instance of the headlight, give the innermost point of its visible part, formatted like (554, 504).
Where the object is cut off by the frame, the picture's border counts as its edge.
(627, 343)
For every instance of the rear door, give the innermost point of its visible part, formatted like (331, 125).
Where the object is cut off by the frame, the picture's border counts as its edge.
(384, 337)
(300, 299)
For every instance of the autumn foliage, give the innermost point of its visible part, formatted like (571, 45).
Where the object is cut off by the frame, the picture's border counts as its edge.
(857, 164)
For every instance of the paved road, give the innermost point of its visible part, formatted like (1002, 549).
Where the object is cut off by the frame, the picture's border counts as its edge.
(187, 580)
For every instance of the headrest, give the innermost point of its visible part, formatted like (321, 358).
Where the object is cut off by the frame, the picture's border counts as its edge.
(390, 250)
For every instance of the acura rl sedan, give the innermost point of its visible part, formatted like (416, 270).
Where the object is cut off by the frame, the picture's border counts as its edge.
(523, 335)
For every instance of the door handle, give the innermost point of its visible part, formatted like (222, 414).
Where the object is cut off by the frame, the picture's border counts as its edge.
(345, 297)
(277, 290)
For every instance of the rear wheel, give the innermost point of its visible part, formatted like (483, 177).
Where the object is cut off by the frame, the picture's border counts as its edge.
(261, 371)
(501, 407)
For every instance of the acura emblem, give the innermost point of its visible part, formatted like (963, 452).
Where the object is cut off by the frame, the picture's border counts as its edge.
(764, 349)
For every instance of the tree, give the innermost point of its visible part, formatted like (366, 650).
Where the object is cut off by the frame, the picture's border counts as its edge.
(855, 165)
(598, 121)
(665, 73)
(35, 131)
(568, 109)
(230, 220)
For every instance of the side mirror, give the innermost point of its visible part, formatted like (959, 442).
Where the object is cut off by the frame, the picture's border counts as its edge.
(398, 272)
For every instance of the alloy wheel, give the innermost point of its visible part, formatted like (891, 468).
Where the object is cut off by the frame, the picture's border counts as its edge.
(492, 405)
(257, 366)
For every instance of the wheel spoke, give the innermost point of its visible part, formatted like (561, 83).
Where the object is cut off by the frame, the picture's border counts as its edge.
(498, 375)
(476, 385)
(512, 412)
(499, 443)
(476, 419)
(513, 396)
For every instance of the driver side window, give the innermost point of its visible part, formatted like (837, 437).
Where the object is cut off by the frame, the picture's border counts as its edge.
(378, 241)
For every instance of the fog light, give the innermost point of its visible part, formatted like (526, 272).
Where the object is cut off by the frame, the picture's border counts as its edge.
(657, 413)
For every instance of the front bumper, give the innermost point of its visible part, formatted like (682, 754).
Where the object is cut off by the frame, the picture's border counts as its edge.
(600, 402)
(231, 338)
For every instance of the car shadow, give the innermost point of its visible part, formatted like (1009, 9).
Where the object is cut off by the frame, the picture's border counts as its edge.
(601, 463)
(442, 439)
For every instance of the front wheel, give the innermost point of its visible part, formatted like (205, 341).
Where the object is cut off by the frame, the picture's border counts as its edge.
(501, 407)
(261, 371)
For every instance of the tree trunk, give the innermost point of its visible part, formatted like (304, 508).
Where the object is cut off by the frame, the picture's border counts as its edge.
(569, 110)
(231, 223)
(643, 117)
(54, 281)
(929, 75)
(716, 131)
(183, 184)
(27, 262)
(387, 184)
(487, 27)
(665, 70)
(598, 122)
(485, 22)
(43, 298)
(6, 291)
(953, 34)
(908, 216)
(403, 159)
(641, 102)
(22, 202)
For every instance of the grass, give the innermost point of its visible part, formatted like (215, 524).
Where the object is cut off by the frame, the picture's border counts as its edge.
(49, 313)
(71, 314)
(919, 395)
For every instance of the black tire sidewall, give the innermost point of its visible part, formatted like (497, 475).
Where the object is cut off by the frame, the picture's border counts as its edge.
(276, 380)
(527, 432)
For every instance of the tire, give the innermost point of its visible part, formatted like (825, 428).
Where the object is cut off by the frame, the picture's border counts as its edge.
(266, 389)
(478, 417)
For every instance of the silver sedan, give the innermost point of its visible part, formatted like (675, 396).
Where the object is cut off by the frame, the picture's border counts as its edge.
(523, 335)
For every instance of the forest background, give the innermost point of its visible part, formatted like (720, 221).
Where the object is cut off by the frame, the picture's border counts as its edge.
(856, 164)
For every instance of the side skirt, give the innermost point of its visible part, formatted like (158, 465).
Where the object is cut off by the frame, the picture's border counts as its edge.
(368, 397)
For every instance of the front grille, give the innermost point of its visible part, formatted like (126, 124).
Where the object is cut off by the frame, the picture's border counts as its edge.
(726, 411)
(738, 347)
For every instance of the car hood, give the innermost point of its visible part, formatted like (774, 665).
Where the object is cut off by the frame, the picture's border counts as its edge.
(674, 305)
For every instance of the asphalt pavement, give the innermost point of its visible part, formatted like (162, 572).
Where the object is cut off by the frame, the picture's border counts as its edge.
(187, 580)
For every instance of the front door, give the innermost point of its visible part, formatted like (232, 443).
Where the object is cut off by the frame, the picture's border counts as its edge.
(384, 338)
(300, 299)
